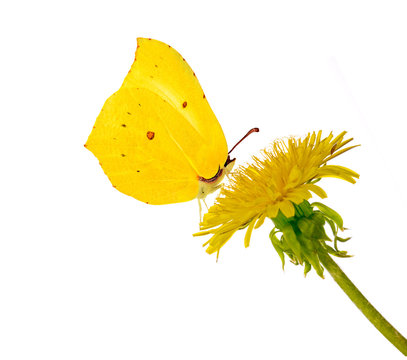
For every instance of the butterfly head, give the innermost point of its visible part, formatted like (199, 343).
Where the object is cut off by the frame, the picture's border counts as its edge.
(208, 186)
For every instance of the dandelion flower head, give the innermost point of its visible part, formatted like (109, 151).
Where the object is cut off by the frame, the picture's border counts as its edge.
(282, 177)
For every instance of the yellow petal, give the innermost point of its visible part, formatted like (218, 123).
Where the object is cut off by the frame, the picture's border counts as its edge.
(287, 208)
(316, 190)
(260, 221)
(272, 210)
(249, 233)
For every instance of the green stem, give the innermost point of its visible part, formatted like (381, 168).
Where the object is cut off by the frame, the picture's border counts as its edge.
(381, 324)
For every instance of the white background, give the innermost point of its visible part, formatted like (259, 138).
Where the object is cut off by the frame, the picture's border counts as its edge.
(89, 273)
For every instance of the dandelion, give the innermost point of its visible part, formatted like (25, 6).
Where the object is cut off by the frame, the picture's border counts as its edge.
(274, 186)
(278, 185)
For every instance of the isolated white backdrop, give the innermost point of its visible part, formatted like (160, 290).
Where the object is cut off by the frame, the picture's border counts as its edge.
(89, 273)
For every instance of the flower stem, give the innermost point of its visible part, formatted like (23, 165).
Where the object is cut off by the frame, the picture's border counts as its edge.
(381, 324)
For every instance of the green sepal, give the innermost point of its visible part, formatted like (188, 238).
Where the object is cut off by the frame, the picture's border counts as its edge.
(342, 239)
(291, 239)
(312, 228)
(329, 213)
(332, 225)
(304, 237)
(307, 267)
(337, 238)
(336, 252)
(314, 181)
(276, 243)
(280, 221)
(311, 254)
(303, 209)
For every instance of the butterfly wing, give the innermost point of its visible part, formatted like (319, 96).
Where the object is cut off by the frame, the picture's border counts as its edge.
(157, 134)
(161, 69)
(136, 150)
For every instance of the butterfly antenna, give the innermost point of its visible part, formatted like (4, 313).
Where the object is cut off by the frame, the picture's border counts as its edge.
(244, 137)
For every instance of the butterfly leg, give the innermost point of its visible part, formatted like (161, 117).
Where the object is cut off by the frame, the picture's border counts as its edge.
(205, 204)
(200, 210)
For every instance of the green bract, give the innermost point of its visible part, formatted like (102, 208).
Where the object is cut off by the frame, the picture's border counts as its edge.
(303, 235)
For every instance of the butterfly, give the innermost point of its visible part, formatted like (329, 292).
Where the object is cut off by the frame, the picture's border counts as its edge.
(157, 138)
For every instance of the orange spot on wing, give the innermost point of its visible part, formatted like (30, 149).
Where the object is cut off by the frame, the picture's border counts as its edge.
(150, 135)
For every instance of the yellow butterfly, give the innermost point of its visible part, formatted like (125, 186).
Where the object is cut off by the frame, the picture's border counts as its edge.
(157, 138)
